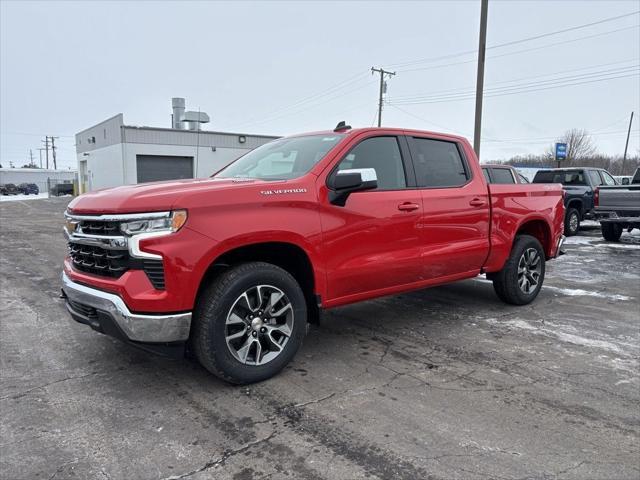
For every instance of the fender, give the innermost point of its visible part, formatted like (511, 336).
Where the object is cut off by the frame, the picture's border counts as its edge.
(257, 238)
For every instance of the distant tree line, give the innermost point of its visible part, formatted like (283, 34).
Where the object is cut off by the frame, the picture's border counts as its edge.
(581, 152)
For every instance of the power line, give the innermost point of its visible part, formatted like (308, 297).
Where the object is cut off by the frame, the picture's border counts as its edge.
(327, 100)
(522, 88)
(513, 80)
(352, 80)
(514, 42)
(516, 52)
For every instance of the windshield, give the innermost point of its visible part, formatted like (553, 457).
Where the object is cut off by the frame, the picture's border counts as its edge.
(565, 177)
(282, 159)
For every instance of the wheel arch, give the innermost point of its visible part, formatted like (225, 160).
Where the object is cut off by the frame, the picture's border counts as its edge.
(287, 255)
(577, 204)
(540, 230)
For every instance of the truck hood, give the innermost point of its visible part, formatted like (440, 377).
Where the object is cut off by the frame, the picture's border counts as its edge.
(150, 197)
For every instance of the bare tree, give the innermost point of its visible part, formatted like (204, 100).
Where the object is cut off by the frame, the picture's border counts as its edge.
(579, 146)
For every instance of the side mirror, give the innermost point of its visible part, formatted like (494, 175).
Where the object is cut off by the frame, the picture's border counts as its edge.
(345, 182)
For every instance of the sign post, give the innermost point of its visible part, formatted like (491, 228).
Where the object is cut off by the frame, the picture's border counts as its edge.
(561, 152)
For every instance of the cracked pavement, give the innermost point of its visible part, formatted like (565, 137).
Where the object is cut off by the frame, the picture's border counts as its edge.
(445, 383)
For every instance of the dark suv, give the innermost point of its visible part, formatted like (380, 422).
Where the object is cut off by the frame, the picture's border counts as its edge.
(27, 188)
(579, 185)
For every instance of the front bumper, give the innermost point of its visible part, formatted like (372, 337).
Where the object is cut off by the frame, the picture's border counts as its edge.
(107, 313)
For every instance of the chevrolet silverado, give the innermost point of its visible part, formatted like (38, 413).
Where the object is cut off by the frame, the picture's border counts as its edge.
(233, 267)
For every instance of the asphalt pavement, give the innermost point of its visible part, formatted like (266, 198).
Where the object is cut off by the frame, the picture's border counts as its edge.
(444, 383)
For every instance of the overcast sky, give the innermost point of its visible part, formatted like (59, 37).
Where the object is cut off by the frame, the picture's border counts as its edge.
(288, 67)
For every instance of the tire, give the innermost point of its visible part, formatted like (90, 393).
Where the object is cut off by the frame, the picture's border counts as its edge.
(611, 231)
(507, 282)
(571, 222)
(225, 309)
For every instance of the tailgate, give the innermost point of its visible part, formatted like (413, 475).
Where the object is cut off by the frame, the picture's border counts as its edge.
(622, 199)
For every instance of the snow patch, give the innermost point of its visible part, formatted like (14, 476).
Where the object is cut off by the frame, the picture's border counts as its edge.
(18, 198)
(577, 292)
(563, 336)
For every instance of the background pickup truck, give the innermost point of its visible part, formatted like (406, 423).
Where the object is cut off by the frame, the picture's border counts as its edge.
(618, 208)
(237, 264)
(579, 185)
(502, 174)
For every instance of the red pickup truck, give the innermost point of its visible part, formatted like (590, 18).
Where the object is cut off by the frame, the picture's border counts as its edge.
(234, 266)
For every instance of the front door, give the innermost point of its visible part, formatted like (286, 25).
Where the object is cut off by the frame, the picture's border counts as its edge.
(373, 243)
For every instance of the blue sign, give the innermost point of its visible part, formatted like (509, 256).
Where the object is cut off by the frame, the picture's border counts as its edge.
(561, 151)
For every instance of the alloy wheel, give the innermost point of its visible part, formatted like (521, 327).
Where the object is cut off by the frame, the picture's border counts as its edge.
(529, 270)
(259, 324)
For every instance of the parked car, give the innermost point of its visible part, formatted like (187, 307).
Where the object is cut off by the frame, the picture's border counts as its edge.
(61, 189)
(504, 174)
(239, 263)
(9, 189)
(579, 185)
(28, 188)
(618, 208)
(623, 179)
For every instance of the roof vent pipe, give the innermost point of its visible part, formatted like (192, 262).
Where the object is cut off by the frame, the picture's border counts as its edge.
(177, 118)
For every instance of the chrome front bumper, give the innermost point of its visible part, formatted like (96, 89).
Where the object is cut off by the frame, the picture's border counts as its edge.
(136, 327)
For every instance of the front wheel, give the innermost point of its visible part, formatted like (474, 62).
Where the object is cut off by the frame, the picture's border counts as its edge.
(521, 278)
(249, 323)
(611, 231)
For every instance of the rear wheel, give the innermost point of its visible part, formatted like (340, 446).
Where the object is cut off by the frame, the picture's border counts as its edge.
(521, 278)
(611, 231)
(571, 222)
(249, 323)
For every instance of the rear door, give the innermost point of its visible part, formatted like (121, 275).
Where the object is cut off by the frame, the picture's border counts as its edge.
(455, 219)
(374, 241)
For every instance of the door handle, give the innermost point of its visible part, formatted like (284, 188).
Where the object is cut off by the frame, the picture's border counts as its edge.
(477, 202)
(408, 207)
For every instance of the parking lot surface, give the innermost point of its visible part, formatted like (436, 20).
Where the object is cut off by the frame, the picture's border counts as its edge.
(444, 383)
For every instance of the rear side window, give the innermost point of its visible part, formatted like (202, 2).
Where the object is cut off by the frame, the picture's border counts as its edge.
(595, 178)
(438, 163)
(502, 175)
(566, 177)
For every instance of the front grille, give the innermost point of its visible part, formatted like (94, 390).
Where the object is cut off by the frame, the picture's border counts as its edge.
(98, 260)
(104, 262)
(84, 310)
(113, 263)
(99, 227)
(155, 272)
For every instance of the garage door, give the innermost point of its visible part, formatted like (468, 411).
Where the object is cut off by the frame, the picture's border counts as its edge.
(152, 168)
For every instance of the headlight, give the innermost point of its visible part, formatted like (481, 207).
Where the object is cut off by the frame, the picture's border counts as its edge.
(170, 224)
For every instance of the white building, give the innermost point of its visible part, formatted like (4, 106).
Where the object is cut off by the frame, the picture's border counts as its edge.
(112, 153)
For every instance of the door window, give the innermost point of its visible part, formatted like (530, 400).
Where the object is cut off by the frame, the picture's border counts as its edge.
(608, 179)
(595, 178)
(438, 163)
(485, 172)
(502, 175)
(381, 154)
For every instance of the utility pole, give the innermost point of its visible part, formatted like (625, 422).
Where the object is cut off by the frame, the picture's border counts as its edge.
(626, 145)
(53, 149)
(382, 73)
(46, 148)
(31, 158)
(484, 7)
(40, 150)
